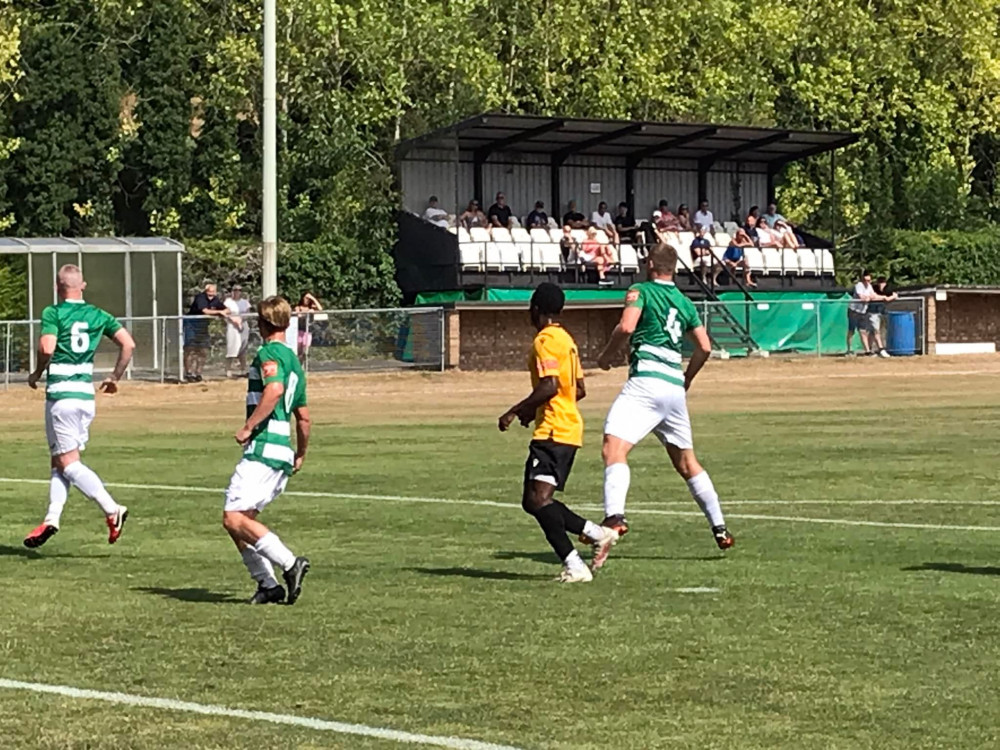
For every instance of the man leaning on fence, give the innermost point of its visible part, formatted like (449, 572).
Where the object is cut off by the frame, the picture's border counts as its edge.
(858, 318)
(196, 339)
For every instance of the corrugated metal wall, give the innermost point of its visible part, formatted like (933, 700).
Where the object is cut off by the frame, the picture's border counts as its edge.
(732, 188)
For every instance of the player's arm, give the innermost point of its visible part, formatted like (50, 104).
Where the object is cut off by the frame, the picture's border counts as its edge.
(126, 346)
(524, 410)
(303, 425)
(581, 390)
(46, 348)
(702, 351)
(619, 336)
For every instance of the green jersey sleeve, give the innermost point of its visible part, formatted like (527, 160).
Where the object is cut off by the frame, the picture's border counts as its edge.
(111, 325)
(50, 321)
(689, 315)
(271, 371)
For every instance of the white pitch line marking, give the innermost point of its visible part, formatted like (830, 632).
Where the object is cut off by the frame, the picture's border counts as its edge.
(697, 590)
(360, 730)
(495, 504)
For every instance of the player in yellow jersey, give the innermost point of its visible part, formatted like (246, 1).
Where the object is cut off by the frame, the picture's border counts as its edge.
(557, 385)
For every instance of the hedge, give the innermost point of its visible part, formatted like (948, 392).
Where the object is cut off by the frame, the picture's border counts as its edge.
(911, 257)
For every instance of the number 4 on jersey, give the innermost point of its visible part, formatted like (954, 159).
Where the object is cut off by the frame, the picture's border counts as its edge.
(673, 326)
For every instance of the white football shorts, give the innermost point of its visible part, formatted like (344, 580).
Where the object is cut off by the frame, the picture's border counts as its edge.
(648, 405)
(67, 424)
(254, 486)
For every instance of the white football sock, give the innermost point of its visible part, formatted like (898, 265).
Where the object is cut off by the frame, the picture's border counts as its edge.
(58, 492)
(703, 492)
(259, 567)
(274, 550)
(593, 531)
(616, 481)
(85, 480)
(574, 561)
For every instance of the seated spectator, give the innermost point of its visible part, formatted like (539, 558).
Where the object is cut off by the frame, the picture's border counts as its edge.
(684, 218)
(768, 237)
(750, 223)
(597, 254)
(435, 215)
(703, 217)
(567, 245)
(742, 239)
(573, 218)
(602, 219)
(625, 225)
(473, 216)
(538, 217)
(701, 254)
(780, 224)
(666, 221)
(500, 213)
(735, 258)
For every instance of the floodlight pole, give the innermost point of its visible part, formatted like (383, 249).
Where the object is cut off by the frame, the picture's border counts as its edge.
(269, 228)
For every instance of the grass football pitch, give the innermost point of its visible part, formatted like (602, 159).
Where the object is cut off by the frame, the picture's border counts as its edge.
(859, 608)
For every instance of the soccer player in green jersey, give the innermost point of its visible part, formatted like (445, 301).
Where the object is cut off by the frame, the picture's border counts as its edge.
(276, 391)
(70, 333)
(656, 318)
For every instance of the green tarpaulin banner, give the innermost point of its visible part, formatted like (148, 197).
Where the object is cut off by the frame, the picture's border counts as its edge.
(518, 295)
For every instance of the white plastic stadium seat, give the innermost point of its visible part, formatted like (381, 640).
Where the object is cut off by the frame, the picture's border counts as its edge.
(540, 235)
(825, 261)
(548, 256)
(790, 262)
(807, 261)
(525, 250)
(602, 237)
(579, 235)
(491, 257)
(501, 234)
(471, 256)
(772, 260)
(730, 226)
(629, 257)
(510, 258)
(516, 222)
(685, 238)
(716, 227)
(673, 239)
(463, 235)
(755, 259)
(555, 234)
(479, 234)
(722, 239)
(520, 234)
(684, 258)
(453, 229)
(553, 224)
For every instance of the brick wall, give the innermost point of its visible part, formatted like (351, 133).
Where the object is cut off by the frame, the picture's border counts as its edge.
(967, 317)
(499, 339)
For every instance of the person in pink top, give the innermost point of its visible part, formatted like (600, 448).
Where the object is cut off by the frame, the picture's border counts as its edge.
(595, 253)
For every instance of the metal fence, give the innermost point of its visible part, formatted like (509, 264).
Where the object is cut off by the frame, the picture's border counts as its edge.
(813, 327)
(329, 341)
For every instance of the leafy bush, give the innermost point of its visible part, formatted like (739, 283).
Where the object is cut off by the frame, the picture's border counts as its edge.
(911, 257)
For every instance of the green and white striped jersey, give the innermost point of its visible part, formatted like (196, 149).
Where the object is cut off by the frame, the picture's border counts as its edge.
(657, 341)
(78, 328)
(271, 442)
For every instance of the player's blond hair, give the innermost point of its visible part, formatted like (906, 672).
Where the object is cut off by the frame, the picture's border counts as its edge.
(663, 259)
(70, 276)
(275, 312)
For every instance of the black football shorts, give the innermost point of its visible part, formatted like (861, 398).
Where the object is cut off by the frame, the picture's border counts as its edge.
(549, 462)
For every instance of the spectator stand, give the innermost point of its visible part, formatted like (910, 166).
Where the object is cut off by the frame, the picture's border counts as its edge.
(559, 160)
(135, 278)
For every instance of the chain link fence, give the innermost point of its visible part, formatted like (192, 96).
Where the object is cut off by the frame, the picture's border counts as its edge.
(169, 348)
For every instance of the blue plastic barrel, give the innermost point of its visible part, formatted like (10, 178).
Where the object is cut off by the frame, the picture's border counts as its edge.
(901, 339)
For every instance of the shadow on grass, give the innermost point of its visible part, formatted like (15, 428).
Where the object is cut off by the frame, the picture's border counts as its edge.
(550, 558)
(191, 595)
(956, 568)
(494, 575)
(36, 554)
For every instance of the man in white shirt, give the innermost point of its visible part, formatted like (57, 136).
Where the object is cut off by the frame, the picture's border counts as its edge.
(435, 215)
(237, 333)
(703, 217)
(857, 315)
(602, 219)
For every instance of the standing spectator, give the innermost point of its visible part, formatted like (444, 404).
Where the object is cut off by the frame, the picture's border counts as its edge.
(306, 308)
(538, 218)
(876, 310)
(473, 216)
(573, 218)
(703, 217)
(196, 340)
(593, 252)
(237, 333)
(684, 218)
(435, 215)
(602, 219)
(625, 225)
(701, 254)
(500, 213)
(858, 318)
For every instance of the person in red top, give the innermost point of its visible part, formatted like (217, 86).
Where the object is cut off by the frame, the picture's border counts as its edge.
(593, 252)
